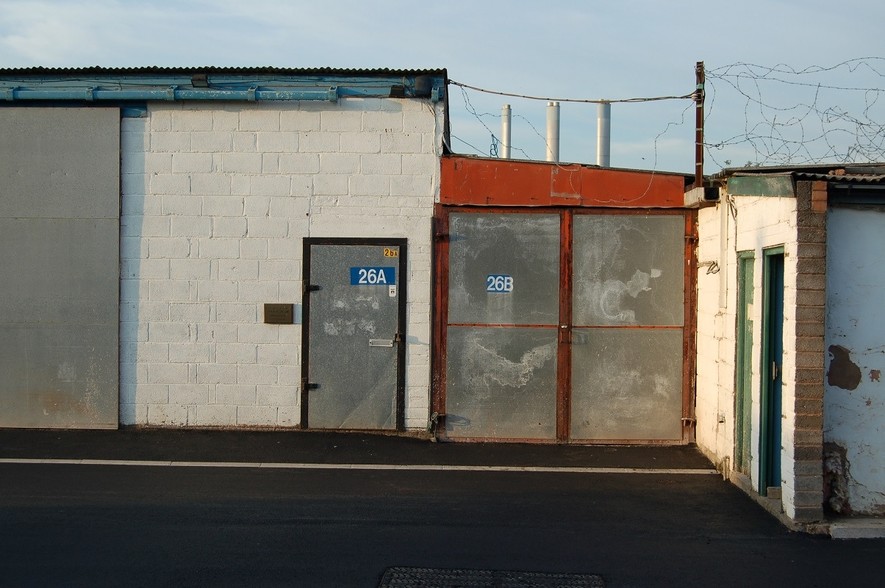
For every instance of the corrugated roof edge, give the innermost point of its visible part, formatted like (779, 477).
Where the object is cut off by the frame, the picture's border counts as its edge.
(260, 70)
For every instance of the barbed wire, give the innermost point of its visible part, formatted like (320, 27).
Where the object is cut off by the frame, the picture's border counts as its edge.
(799, 116)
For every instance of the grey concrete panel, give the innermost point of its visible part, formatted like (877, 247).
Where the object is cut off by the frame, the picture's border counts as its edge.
(59, 162)
(59, 272)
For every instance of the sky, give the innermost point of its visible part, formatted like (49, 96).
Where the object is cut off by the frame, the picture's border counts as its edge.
(788, 82)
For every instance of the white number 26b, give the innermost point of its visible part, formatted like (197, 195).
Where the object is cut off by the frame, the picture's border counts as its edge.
(499, 283)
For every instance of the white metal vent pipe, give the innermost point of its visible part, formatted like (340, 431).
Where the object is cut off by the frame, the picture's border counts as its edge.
(553, 131)
(505, 132)
(603, 134)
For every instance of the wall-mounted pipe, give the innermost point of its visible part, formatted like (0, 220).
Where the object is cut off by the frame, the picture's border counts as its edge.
(505, 132)
(553, 131)
(603, 134)
(172, 93)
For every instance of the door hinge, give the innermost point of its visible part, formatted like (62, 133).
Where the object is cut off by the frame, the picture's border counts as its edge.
(306, 288)
(775, 371)
(305, 385)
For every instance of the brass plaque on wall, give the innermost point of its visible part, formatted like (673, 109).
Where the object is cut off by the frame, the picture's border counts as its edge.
(279, 314)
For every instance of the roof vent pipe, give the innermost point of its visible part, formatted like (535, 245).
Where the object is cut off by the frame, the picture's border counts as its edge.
(603, 134)
(553, 131)
(505, 132)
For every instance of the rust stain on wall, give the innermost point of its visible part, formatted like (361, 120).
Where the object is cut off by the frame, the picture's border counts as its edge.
(874, 375)
(843, 373)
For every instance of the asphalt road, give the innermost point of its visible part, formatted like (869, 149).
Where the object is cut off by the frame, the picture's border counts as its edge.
(102, 525)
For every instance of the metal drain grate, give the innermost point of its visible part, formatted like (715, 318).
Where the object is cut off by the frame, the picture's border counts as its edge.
(449, 578)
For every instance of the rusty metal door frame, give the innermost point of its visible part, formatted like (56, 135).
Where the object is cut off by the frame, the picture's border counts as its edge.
(564, 355)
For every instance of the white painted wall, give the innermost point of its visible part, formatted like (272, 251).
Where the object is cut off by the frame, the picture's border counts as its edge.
(854, 414)
(216, 200)
(742, 223)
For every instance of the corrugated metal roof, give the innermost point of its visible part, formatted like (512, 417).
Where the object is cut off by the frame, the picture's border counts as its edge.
(211, 69)
(851, 173)
(843, 178)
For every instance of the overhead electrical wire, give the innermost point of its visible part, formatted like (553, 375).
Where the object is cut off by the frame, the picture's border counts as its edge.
(577, 100)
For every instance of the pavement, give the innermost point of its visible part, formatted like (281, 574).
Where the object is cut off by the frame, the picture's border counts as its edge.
(336, 450)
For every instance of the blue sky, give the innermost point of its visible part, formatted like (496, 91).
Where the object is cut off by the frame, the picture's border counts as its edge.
(557, 49)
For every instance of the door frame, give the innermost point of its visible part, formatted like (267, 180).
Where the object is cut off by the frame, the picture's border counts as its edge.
(770, 392)
(563, 400)
(743, 365)
(402, 302)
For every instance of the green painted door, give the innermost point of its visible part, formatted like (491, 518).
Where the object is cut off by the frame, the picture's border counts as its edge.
(743, 363)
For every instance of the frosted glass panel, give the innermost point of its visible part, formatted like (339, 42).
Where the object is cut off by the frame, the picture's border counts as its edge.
(628, 270)
(501, 382)
(626, 384)
(504, 269)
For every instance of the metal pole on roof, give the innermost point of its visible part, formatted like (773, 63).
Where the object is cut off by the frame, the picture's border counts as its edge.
(553, 131)
(505, 132)
(699, 126)
(603, 134)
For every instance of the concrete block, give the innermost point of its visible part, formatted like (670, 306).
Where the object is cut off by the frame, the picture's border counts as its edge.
(238, 269)
(289, 375)
(258, 292)
(184, 163)
(277, 270)
(215, 415)
(245, 142)
(170, 142)
(168, 332)
(189, 312)
(339, 120)
(320, 142)
(241, 163)
(299, 163)
(219, 248)
(278, 142)
(229, 227)
(144, 269)
(262, 118)
(339, 163)
(264, 227)
(419, 121)
(335, 185)
(133, 184)
(237, 394)
(278, 355)
(188, 393)
(284, 248)
(167, 373)
(167, 415)
(225, 206)
(235, 312)
(360, 142)
(401, 143)
(276, 396)
(211, 142)
(133, 289)
(217, 333)
(268, 185)
(253, 248)
(170, 184)
(226, 120)
(258, 333)
(192, 119)
(288, 416)
(370, 186)
(299, 120)
(235, 353)
(381, 164)
(182, 205)
(270, 163)
(410, 186)
(167, 248)
(189, 269)
(256, 374)
(257, 416)
(214, 373)
(191, 226)
(388, 122)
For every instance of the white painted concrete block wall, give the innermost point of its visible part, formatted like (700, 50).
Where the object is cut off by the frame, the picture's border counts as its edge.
(216, 202)
(754, 224)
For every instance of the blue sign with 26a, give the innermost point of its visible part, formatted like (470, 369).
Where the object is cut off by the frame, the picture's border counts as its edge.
(372, 276)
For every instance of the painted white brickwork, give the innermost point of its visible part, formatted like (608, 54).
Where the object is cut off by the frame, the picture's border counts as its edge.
(750, 224)
(216, 202)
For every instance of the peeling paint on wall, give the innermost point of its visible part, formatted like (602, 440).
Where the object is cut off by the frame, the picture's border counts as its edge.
(874, 375)
(836, 476)
(843, 373)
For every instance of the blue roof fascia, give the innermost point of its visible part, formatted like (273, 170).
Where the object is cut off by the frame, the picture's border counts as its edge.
(215, 86)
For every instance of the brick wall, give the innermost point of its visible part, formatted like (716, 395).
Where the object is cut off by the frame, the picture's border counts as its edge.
(216, 202)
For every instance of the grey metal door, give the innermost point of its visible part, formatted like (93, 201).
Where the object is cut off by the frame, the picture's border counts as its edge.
(354, 334)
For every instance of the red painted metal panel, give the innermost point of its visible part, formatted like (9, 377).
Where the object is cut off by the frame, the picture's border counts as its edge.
(504, 182)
